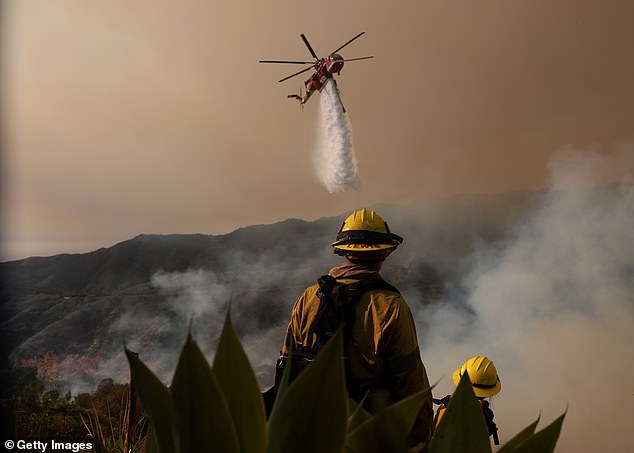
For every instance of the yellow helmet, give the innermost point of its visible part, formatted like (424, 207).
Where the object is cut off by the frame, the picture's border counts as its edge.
(365, 231)
(483, 376)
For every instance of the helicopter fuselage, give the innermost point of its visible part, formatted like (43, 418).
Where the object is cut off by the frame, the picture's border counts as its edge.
(324, 70)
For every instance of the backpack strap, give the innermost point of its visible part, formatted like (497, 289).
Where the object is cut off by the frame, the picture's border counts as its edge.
(443, 401)
(488, 416)
(336, 311)
(442, 407)
(329, 315)
(336, 305)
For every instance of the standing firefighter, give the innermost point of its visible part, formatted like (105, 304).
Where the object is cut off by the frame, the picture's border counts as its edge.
(486, 383)
(382, 358)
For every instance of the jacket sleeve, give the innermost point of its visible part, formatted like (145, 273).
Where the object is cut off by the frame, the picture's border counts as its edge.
(405, 371)
(290, 342)
(302, 315)
(293, 326)
(298, 338)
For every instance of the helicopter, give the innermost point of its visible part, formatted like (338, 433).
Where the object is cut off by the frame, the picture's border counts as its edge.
(325, 69)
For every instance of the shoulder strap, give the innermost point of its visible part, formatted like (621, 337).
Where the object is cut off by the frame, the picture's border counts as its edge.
(336, 304)
(329, 315)
(442, 401)
(355, 290)
(488, 416)
(336, 310)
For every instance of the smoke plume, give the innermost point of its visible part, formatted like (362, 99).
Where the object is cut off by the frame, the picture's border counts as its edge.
(335, 161)
(552, 305)
(257, 289)
(554, 309)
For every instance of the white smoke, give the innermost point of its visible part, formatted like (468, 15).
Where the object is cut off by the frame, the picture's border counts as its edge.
(198, 300)
(194, 294)
(334, 158)
(554, 309)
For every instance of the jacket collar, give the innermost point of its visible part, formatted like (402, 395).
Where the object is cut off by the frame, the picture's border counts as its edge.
(356, 271)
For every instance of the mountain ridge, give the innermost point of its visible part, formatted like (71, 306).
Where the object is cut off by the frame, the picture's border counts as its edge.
(147, 287)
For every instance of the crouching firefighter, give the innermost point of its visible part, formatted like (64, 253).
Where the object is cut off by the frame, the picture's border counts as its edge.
(486, 383)
(381, 354)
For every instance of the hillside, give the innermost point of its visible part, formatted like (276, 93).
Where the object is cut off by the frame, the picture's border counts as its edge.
(147, 290)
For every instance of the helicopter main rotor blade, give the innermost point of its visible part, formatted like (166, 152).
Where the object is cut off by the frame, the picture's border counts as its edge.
(287, 62)
(337, 50)
(312, 52)
(296, 74)
(356, 59)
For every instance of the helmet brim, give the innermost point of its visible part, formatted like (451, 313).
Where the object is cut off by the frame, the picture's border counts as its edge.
(360, 248)
(479, 391)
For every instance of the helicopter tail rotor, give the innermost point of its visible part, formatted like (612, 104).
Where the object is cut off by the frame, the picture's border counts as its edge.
(299, 97)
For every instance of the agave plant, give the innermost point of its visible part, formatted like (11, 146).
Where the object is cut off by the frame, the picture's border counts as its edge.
(220, 408)
(463, 428)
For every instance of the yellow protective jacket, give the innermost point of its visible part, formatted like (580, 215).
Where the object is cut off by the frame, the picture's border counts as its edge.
(383, 356)
(486, 410)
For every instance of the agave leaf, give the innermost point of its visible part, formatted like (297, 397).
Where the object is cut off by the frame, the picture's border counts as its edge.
(311, 415)
(519, 438)
(359, 414)
(543, 441)
(388, 429)
(242, 393)
(284, 381)
(156, 400)
(201, 418)
(151, 444)
(462, 427)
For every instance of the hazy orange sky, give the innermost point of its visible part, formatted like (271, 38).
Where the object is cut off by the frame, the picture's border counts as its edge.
(121, 118)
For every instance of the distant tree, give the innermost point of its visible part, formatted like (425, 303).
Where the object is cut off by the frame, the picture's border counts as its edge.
(84, 400)
(110, 399)
(51, 396)
(33, 408)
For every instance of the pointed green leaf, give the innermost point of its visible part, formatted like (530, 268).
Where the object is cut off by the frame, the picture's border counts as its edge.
(151, 444)
(284, 381)
(358, 414)
(241, 390)
(388, 429)
(543, 441)
(200, 417)
(462, 427)
(156, 400)
(311, 415)
(519, 438)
